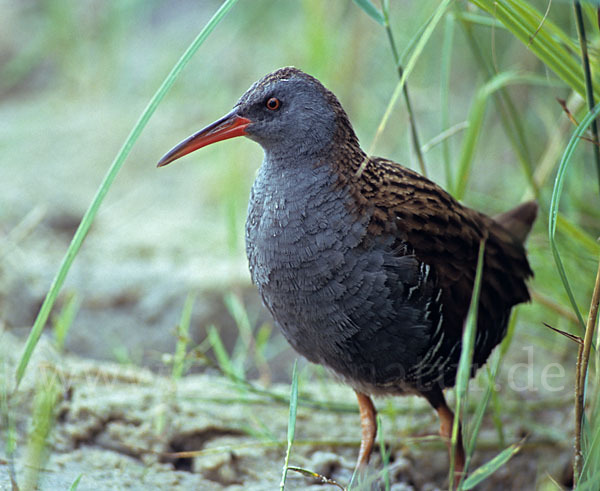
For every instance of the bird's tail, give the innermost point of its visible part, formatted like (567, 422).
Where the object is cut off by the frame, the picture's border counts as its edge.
(519, 220)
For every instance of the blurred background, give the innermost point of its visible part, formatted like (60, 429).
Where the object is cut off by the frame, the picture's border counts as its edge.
(75, 76)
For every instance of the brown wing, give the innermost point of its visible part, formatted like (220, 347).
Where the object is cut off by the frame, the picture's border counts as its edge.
(446, 235)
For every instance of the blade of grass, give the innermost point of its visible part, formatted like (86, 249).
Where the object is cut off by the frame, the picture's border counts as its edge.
(480, 20)
(476, 117)
(76, 482)
(492, 466)
(466, 360)
(385, 455)
(553, 212)
(546, 42)
(291, 431)
(8, 423)
(223, 360)
(496, 403)
(505, 108)
(44, 404)
(64, 320)
(591, 485)
(481, 408)
(183, 337)
(410, 64)
(371, 10)
(411, 116)
(582, 375)
(262, 342)
(589, 89)
(245, 343)
(88, 217)
(589, 472)
(577, 234)
(445, 91)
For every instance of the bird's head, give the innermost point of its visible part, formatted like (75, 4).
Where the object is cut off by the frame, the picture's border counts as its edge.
(288, 112)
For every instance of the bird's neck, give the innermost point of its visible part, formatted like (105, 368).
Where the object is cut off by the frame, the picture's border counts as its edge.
(342, 156)
(290, 176)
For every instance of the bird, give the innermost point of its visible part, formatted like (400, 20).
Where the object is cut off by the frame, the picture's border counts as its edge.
(366, 266)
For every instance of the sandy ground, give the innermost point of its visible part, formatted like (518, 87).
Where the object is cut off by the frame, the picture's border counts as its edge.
(118, 426)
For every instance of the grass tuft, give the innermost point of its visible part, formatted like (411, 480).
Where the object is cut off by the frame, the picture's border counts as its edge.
(183, 338)
(44, 405)
(64, 320)
(487, 469)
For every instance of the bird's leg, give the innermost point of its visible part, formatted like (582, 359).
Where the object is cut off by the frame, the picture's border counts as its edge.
(446, 416)
(446, 421)
(368, 428)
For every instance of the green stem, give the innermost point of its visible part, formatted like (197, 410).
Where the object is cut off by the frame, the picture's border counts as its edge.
(554, 204)
(445, 90)
(511, 121)
(589, 86)
(411, 117)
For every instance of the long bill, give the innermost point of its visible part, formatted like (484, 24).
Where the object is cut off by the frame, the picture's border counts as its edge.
(229, 126)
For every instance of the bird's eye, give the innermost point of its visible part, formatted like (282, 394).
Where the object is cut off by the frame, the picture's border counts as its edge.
(273, 104)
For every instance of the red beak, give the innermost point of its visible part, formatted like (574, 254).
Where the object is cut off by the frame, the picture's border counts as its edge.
(229, 126)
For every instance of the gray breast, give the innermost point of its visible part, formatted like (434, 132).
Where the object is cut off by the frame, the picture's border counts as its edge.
(330, 288)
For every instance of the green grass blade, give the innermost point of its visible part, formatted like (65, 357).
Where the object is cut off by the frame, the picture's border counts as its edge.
(542, 38)
(412, 42)
(476, 117)
(589, 90)
(221, 355)
(553, 213)
(411, 115)
(46, 398)
(371, 10)
(480, 20)
(466, 357)
(76, 482)
(291, 431)
(183, 337)
(385, 455)
(578, 234)
(490, 467)
(480, 412)
(88, 217)
(410, 64)
(591, 485)
(7, 421)
(64, 320)
(505, 108)
(496, 405)
(590, 443)
(446, 66)
(245, 342)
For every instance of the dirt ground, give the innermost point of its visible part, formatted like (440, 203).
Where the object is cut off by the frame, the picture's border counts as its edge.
(118, 426)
